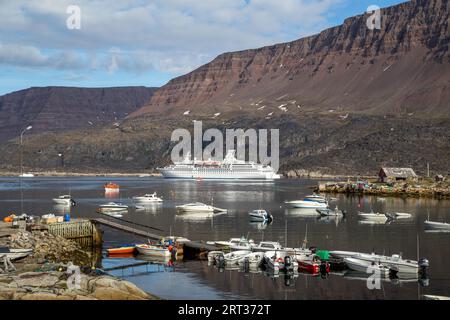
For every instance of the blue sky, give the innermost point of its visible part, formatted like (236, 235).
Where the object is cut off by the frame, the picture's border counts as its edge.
(137, 42)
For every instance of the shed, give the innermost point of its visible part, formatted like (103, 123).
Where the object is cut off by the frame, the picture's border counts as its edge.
(396, 174)
(439, 178)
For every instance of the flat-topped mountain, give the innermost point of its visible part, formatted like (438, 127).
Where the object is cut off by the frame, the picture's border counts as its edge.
(56, 109)
(403, 68)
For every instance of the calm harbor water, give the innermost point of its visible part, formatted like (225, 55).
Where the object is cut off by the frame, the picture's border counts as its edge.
(195, 280)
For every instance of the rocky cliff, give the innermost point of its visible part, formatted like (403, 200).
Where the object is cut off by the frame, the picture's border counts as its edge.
(58, 109)
(401, 68)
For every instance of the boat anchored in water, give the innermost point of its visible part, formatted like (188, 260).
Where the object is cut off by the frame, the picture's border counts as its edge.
(306, 204)
(229, 168)
(64, 200)
(439, 226)
(260, 215)
(113, 206)
(148, 198)
(152, 250)
(373, 216)
(111, 187)
(199, 207)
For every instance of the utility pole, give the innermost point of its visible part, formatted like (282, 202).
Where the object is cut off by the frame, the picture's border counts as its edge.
(21, 166)
(428, 169)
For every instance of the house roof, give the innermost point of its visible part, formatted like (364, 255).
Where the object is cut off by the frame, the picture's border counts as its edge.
(399, 172)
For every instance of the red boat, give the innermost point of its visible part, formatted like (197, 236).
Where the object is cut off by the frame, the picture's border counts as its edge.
(312, 267)
(121, 250)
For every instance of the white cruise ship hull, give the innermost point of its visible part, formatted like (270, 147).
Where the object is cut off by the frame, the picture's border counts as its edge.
(217, 174)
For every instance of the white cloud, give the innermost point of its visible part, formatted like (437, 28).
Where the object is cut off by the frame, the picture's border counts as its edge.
(172, 36)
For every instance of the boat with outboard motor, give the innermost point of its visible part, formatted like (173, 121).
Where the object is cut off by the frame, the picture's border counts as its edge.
(369, 267)
(260, 215)
(395, 262)
(64, 200)
(280, 260)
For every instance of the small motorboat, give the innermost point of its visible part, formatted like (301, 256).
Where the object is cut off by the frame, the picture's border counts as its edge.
(14, 254)
(64, 200)
(26, 175)
(373, 216)
(398, 215)
(395, 262)
(308, 204)
(369, 267)
(260, 215)
(126, 249)
(237, 244)
(148, 198)
(152, 250)
(280, 261)
(313, 266)
(327, 212)
(111, 187)
(113, 206)
(198, 207)
(433, 225)
(251, 261)
(232, 258)
(316, 198)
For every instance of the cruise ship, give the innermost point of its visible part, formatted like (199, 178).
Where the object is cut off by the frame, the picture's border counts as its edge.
(229, 168)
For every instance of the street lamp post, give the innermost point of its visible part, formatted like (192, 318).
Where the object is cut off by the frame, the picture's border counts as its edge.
(21, 166)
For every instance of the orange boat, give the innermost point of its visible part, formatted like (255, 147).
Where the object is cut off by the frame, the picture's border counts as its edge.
(111, 187)
(121, 250)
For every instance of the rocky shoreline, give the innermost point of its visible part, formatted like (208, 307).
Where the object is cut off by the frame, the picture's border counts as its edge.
(423, 190)
(59, 269)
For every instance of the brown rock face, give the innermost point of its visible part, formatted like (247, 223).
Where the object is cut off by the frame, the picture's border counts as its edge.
(57, 109)
(402, 68)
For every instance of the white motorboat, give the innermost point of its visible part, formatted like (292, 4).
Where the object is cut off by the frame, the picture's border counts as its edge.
(367, 266)
(433, 225)
(343, 254)
(316, 197)
(148, 198)
(237, 244)
(252, 260)
(14, 254)
(198, 207)
(373, 216)
(233, 258)
(280, 261)
(64, 200)
(398, 215)
(267, 246)
(395, 262)
(151, 250)
(26, 175)
(306, 204)
(113, 206)
(260, 215)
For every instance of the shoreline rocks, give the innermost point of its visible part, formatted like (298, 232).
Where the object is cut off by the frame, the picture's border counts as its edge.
(51, 272)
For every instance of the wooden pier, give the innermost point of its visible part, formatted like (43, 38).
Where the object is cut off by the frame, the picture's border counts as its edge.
(187, 249)
(127, 229)
(81, 230)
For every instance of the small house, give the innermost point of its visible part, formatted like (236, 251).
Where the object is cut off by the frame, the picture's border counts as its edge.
(387, 175)
(439, 178)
